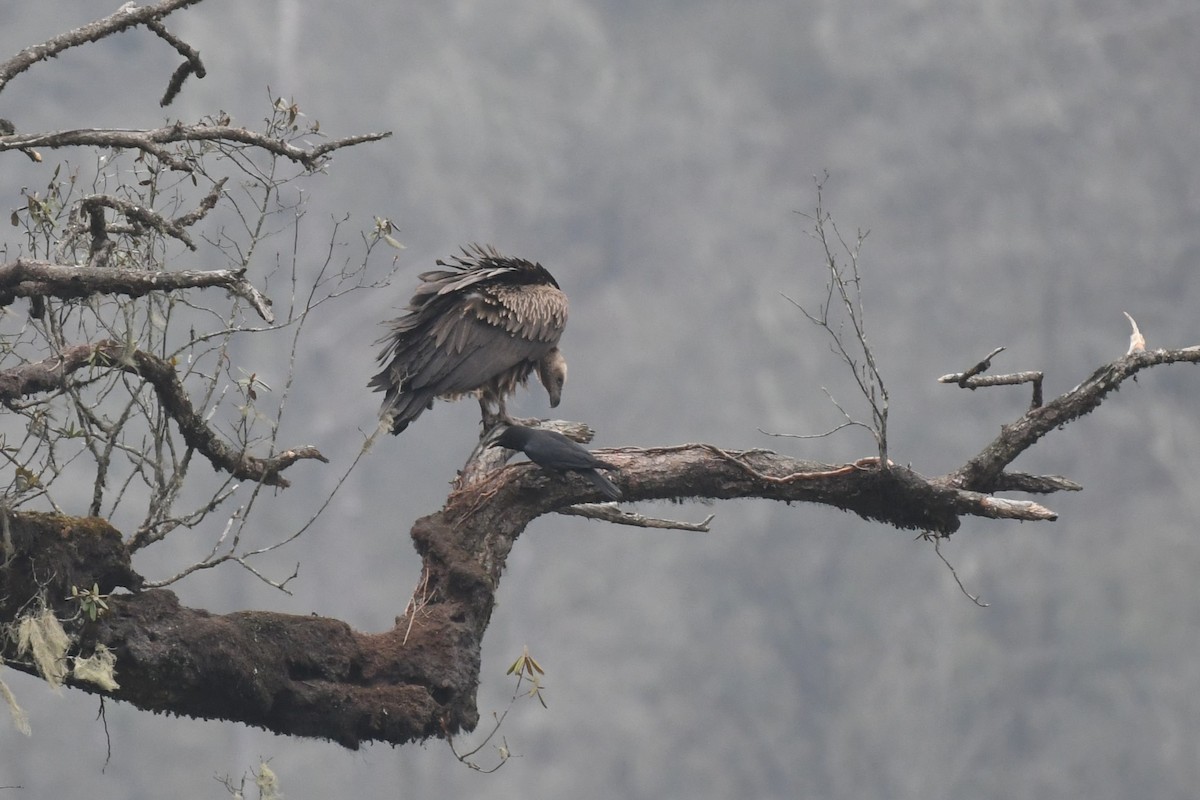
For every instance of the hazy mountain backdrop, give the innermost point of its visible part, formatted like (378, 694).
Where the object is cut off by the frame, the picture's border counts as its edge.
(1027, 172)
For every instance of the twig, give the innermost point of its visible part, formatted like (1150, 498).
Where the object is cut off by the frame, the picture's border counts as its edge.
(972, 379)
(1034, 484)
(208, 562)
(610, 512)
(846, 283)
(985, 505)
(937, 548)
(8, 129)
(152, 141)
(148, 217)
(982, 366)
(52, 373)
(973, 382)
(127, 16)
(981, 472)
(849, 423)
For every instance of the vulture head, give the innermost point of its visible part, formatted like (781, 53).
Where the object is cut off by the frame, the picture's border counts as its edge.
(552, 372)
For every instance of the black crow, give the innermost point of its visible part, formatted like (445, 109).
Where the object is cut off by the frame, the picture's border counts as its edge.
(552, 451)
(481, 324)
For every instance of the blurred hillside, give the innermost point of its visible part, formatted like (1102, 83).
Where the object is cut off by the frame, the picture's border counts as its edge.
(1027, 173)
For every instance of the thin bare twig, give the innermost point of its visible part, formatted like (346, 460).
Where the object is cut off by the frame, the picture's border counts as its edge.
(141, 216)
(152, 141)
(982, 366)
(846, 284)
(973, 379)
(610, 512)
(192, 65)
(937, 548)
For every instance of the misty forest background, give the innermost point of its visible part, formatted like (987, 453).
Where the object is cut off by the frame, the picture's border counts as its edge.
(1027, 172)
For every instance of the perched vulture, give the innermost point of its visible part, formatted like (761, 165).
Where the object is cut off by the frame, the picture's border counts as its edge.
(481, 323)
(552, 451)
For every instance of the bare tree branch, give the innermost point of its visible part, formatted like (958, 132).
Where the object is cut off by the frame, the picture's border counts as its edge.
(192, 65)
(983, 472)
(974, 598)
(27, 278)
(144, 217)
(1034, 484)
(53, 373)
(981, 367)
(127, 16)
(845, 284)
(973, 379)
(152, 141)
(978, 504)
(313, 676)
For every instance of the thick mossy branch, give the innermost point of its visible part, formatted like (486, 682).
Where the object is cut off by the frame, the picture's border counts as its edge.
(47, 554)
(295, 675)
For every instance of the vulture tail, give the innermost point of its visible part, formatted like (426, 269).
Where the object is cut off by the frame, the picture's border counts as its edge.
(404, 409)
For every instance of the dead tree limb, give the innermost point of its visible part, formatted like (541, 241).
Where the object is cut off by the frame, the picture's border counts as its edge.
(152, 142)
(127, 16)
(53, 373)
(30, 278)
(985, 472)
(972, 379)
(140, 217)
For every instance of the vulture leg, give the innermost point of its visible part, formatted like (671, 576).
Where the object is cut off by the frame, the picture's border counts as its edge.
(493, 418)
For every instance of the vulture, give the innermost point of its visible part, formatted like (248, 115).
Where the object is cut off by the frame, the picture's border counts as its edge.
(552, 451)
(482, 323)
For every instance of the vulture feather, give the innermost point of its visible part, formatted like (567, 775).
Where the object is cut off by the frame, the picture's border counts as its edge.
(480, 324)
